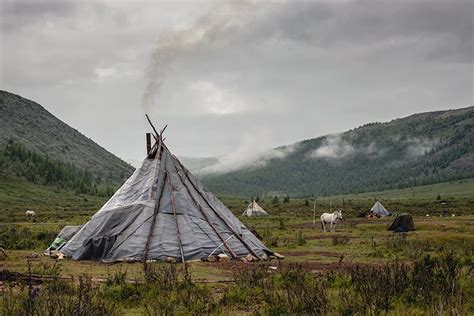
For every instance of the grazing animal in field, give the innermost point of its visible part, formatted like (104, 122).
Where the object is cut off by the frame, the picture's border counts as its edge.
(30, 213)
(331, 219)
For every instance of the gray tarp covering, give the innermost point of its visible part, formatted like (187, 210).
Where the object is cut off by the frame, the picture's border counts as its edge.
(64, 235)
(254, 210)
(379, 209)
(69, 231)
(120, 230)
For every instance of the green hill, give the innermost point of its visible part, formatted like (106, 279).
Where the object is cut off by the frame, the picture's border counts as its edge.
(18, 195)
(16, 161)
(27, 123)
(417, 150)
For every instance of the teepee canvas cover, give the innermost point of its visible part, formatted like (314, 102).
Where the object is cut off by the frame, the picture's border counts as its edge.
(254, 210)
(163, 212)
(379, 209)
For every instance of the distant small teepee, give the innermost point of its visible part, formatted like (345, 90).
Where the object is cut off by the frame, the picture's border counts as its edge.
(254, 210)
(379, 210)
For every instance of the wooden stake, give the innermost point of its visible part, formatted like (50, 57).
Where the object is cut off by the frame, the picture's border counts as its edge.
(314, 213)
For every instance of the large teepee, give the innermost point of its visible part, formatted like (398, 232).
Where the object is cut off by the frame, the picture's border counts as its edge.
(254, 210)
(162, 212)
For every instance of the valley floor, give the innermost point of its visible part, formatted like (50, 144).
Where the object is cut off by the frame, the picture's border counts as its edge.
(361, 261)
(358, 241)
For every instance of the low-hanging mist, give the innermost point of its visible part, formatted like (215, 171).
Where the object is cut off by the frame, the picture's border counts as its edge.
(421, 149)
(250, 154)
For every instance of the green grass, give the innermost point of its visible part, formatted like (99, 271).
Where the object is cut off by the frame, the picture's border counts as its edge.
(454, 189)
(288, 231)
(17, 196)
(321, 258)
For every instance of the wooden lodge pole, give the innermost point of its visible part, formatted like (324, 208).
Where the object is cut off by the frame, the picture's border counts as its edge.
(314, 213)
(148, 143)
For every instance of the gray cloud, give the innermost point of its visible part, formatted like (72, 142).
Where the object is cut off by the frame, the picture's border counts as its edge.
(18, 14)
(287, 70)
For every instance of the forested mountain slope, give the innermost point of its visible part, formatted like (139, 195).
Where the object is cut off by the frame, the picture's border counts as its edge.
(420, 149)
(27, 123)
(16, 161)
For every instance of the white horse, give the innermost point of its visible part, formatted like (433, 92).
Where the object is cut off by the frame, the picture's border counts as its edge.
(332, 219)
(30, 214)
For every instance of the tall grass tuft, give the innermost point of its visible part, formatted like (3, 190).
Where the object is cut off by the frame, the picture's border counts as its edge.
(170, 290)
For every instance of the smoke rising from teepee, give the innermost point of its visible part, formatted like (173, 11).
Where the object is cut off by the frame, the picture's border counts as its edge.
(177, 43)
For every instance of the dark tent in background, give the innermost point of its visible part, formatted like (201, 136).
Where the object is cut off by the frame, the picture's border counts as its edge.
(162, 212)
(402, 223)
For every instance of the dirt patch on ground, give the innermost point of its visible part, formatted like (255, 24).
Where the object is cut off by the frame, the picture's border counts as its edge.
(318, 237)
(313, 266)
(306, 253)
(344, 224)
(305, 225)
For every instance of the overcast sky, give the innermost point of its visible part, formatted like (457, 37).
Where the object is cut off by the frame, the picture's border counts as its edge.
(239, 74)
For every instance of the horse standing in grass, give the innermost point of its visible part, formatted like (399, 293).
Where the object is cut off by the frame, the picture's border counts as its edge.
(30, 213)
(331, 219)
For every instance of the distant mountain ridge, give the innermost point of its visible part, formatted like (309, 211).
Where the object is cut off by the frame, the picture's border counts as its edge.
(26, 122)
(423, 148)
(420, 149)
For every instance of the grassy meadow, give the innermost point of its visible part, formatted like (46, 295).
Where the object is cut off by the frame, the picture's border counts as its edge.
(360, 269)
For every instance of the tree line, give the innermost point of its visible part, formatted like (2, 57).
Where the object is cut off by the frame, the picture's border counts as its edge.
(382, 158)
(17, 160)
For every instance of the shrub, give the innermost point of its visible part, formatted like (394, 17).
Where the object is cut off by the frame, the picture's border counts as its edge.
(378, 286)
(125, 293)
(436, 279)
(300, 238)
(268, 238)
(275, 200)
(21, 238)
(434, 283)
(281, 223)
(51, 300)
(413, 248)
(170, 290)
(339, 240)
(296, 291)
